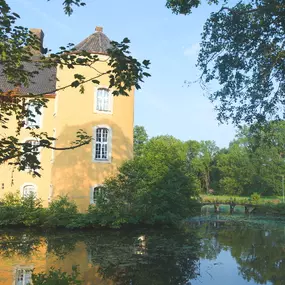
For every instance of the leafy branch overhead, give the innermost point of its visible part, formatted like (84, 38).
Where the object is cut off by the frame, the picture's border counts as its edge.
(20, 49)
(242, 50)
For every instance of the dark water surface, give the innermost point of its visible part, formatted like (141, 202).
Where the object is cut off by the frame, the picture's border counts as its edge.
(212, 250)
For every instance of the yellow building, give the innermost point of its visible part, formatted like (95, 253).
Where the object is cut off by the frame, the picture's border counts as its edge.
(108, 119)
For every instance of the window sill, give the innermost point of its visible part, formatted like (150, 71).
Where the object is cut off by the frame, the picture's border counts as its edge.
(101, 161)
(103, 112)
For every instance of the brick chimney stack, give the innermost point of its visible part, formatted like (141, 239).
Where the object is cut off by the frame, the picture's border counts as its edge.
(99, 29)
(40, 34)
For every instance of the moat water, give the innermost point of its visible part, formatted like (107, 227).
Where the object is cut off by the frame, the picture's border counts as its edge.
(211, 249)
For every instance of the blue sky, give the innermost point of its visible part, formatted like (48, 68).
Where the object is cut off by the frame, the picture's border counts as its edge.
(165, 105)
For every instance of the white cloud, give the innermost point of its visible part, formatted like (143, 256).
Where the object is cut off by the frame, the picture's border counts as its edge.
(192, 50)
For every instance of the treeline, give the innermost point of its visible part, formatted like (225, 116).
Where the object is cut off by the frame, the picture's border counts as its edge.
(253, 162)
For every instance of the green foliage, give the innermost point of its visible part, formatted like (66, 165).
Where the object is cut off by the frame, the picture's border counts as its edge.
(255, 198)
(17, 49)
(271, 209)
(15, 210)
(254, 162)
(242, 50)
(61, 212)
(153, 188)
(57, 277)
(140, 139)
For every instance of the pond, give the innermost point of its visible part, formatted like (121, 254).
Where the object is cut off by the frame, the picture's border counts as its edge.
(209, 250)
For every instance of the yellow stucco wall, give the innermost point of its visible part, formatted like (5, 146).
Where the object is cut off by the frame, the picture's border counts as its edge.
(72, 172)
(14, 180)
(41, 261)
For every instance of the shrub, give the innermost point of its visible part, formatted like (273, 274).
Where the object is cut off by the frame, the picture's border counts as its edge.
(57, 277)
(255, 198)
(153, 188)
(16, 210)
(61, 212)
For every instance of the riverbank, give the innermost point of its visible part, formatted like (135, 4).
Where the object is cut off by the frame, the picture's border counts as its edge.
(240, 199)
(263, 206)
(17, 211)
(271, 209)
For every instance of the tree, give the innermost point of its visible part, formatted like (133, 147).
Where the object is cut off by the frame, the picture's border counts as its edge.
(234, 170)
(17, 51)
(254, 162)
(153, 188)
(242, 50)
(208, 150)
(193, 162)
(265, 147)
(140, 139)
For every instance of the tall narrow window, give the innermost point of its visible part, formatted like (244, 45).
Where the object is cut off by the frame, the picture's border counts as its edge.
(34, 118)
(102, 144)
(23, 276)
(103, 100)
(32, 153)
(28, 190)
(98, 193)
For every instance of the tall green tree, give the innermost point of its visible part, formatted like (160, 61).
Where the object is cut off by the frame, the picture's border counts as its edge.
(193, 162)
(233, 170)
(140, 139)
(254, 162)
(242, 49)
(153, 188)
(17, 46)
(208, 150)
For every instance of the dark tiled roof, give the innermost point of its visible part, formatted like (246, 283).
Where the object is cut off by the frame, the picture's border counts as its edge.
(95, 43)
(45, 80)
(42, 82)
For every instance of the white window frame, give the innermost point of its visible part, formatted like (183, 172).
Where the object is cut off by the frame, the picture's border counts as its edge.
(39, 155)
(40, 121)
(29, 184)
(25, 269)
(92, 202)
(111, 101)
(109, 144)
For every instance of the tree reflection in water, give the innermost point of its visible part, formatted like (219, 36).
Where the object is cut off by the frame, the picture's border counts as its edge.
(259, 249)
(148, 256)
(136, 257)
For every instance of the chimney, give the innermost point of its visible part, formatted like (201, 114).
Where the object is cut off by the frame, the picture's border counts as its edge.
(99, 29)
(40, 34)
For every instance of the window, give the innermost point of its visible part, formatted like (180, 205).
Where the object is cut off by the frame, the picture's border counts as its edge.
(28, 190)
(31, 149)
(103, 100)
(102, 144)
(23, 276)
(33, 119)
(2, 186)
(98, 193)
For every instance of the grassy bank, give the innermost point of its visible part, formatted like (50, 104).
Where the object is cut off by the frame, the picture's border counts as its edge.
(264, 205)
(241, 200)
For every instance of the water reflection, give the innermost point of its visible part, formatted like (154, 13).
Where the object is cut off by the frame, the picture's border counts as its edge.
(209, 252)
(109, 257)
(257, 248)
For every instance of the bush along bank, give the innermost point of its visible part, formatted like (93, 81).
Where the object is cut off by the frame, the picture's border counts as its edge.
(271, 209)
(154, 188)
(63, 213)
